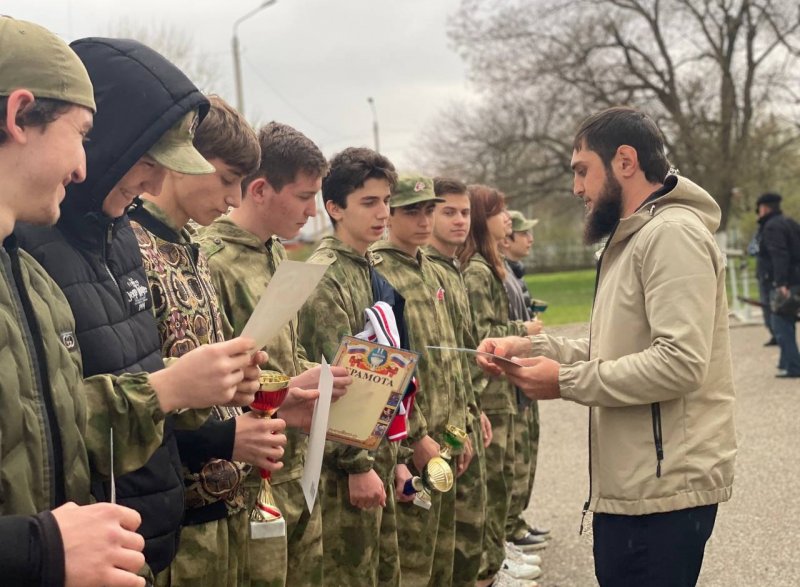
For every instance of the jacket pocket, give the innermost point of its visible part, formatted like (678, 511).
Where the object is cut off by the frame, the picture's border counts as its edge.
(655, 409)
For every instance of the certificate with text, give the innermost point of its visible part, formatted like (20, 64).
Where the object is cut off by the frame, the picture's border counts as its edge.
(380, 375)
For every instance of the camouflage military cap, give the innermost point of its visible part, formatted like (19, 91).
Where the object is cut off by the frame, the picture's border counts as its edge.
(519, 223)
(413, 189)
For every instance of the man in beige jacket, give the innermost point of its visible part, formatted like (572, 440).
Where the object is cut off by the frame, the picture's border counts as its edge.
(655, 370)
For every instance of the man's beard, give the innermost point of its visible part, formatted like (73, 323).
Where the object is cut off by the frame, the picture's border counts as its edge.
(605, 212)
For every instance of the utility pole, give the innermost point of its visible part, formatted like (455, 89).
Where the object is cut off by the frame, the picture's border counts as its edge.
(375, 135)
(237, 62)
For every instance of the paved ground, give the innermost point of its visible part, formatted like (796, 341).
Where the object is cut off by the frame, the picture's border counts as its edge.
(757, 535)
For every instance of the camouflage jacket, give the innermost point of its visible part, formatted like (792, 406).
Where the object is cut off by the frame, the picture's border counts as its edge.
(429, 322)
(187, 313)
(471, 377)
(336, 309)
(489, 302)
(241, 267)
(42, 380)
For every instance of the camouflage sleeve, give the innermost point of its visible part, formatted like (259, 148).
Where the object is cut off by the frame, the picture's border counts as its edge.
(224, 300)
(128, 404)
(483, 298)
(417, 424)
(322, 324)
(477, 379)
(187, 418)
(302, 358)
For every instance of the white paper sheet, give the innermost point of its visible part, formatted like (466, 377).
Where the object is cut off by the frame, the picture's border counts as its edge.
(495, 358)
(283, 297)
(316, 439)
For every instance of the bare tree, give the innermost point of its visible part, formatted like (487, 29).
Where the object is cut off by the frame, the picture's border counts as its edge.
(177, 45)
(715, 74)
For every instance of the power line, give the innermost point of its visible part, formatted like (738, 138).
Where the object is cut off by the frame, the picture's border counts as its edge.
(289, 104)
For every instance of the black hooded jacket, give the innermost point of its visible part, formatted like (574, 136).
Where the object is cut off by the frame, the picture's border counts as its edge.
(778, 243)
(96, 261)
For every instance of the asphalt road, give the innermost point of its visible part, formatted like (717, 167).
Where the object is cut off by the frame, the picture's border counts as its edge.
(756, 541)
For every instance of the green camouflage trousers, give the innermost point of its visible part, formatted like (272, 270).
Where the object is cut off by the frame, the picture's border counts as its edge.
(499, 485)
(210, 555)
(470, 514)
(526, 445)
(297, 558)
(427, 540)
(360, 546)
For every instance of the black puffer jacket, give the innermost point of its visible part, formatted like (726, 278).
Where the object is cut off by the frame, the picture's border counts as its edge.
(778, 242)
(96, 260)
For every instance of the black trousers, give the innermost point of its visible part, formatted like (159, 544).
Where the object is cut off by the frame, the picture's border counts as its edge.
(654, 550)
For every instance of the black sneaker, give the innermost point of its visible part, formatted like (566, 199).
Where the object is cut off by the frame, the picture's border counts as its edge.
(545, 532)
(530, 542)
(771, 342)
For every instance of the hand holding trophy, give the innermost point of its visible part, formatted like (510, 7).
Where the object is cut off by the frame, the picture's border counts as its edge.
(437, 476)
(453, 442)
(266, 520)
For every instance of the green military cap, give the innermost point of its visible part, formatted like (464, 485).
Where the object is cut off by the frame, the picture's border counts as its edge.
(175, 150)
(34, 59)
(413, 189)
(519, 223)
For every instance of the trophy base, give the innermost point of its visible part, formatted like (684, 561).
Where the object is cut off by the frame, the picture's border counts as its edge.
(422, 501)
(272, 529)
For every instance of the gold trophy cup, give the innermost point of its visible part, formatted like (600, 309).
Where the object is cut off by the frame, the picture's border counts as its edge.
(437, 477)
(453, 442)
(266, 520)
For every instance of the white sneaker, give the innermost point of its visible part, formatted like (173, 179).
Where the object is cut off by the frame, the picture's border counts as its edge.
(520, 570)
(502, 579)
(514, 553)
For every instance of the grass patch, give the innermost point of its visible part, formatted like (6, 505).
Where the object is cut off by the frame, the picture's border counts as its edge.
(568, 293)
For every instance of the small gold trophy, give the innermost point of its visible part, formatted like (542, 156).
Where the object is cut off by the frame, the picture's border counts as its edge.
(454, 440)
(266, 520)
(437, 476)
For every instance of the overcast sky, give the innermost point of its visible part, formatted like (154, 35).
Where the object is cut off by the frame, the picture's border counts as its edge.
(308, 63)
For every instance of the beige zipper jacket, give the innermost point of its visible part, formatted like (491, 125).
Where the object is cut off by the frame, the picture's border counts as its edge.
(656, 369)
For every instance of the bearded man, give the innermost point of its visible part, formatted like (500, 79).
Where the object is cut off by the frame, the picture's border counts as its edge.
(655, 371)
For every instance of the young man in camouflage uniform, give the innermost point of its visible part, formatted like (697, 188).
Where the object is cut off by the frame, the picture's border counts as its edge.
(47, 104)
(526, 425)
(243, 253)
(357, 490)
(450, 230)
(219, 454)
(426, 537)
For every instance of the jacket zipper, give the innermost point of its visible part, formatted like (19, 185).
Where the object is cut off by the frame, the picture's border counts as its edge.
(655, 408)
(107, 243)
(659, 449)
(594, 298)
(52, 431)
(193, 250)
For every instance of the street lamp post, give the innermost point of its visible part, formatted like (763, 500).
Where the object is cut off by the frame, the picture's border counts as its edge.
(237, 63)
(371, 102)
